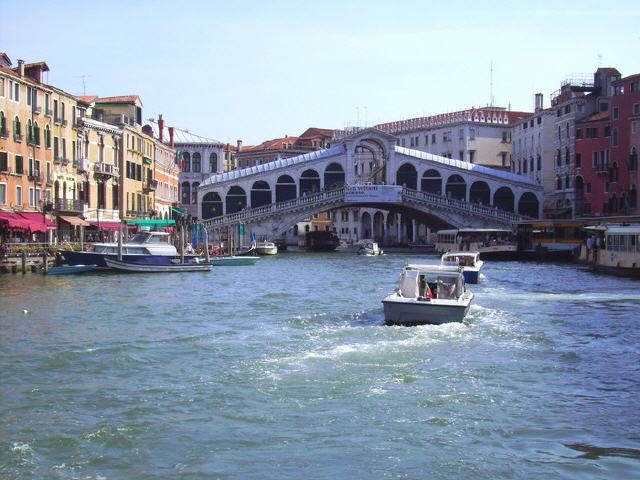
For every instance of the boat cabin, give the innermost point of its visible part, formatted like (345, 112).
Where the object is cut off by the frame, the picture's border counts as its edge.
(431, 282)
(468, 259)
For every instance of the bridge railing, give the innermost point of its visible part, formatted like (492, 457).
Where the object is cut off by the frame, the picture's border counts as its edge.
(338, 194)
(483, 210)
(279, 207)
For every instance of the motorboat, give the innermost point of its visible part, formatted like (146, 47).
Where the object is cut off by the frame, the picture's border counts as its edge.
(153, 248)
(613, 249)
(266, 248)
(233, 261)
(428, 294)
(491, 243)
(176, 266)
(370, 249)
(469, 261)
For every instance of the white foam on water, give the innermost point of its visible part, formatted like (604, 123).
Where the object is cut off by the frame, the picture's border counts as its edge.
(22, 448)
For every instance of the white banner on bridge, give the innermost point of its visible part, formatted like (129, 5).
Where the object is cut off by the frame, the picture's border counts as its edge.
(373, 193)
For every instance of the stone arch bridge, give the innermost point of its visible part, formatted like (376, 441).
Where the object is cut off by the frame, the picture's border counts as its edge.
(367, 169)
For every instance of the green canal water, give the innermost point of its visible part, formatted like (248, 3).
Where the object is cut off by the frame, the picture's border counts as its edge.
(286, 370)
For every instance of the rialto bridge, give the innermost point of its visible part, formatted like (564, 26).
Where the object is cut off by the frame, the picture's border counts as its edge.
(368, 170)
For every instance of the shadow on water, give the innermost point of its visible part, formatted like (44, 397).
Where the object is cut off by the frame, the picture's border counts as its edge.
(592, 452)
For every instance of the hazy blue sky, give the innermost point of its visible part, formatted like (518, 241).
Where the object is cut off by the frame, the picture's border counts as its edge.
(259, 69)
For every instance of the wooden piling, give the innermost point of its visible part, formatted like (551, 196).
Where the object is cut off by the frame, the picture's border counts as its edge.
(45, 262)
(206, 245)
(24, 262)
(120, 245)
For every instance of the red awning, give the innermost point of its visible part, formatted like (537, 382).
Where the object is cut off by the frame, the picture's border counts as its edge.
(36, 223)
(75, 221)
(106, 225)
(13, 221)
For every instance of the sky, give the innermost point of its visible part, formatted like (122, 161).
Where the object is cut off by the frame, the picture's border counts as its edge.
(256, 70)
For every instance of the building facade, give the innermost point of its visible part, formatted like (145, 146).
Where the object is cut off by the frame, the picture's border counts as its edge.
(166, 172)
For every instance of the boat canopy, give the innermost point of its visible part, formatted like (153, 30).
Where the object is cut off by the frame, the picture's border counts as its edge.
(147, 222)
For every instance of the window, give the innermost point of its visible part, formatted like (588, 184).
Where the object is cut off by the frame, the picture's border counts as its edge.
(558, 183)
(3, 193)
(56, 117)
(616, 113)
(589, 187)
(19, 165)
(558, 158)
(578, 133)
(614, 140)
(433, 138)
(539, 120)
(18, 195)
(567, 156)
(16, 91)
(578, 160)
(4, 162)
(566, 181)
(1, 87)
(607, 131)
(567, 109)
(3, 125)
(213, 162)
(17, 130)
(32, 197)
(538, 163)
(196, 162)
(426, 139)
(636, 108)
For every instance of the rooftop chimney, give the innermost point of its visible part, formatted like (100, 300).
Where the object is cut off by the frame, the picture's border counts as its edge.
(538, 102)
(161, 128)
(21, 67)
(171, 144)
(239, 145)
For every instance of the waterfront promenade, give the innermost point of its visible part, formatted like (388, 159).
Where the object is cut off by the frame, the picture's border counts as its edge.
(286, 370)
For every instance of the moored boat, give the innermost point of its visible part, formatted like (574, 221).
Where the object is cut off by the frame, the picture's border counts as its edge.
(321, 241)
(266, 248)
(69, 269)
(148, 268)
(491, 243)
(613, 249)
(428, 294)
(145, 247)
(469, 262)
(233, 261)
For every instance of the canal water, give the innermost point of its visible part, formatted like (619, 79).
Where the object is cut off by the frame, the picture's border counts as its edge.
(286, 370)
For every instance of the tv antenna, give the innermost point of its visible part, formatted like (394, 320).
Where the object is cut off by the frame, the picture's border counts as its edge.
(491, 84)
(84, 83)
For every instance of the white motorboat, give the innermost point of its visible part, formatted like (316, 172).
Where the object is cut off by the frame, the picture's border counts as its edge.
(469, 261)
(370, 249)
(232, 261)
(428, 294)
(266, 248)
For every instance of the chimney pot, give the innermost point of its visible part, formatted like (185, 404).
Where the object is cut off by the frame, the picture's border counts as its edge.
(161, 128)
(171, 144)
(21, 67)
(239, 145)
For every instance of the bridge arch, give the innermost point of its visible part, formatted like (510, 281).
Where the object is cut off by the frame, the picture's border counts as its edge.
(407, 176)
(528, 205)
(480, 193)
(260, 194)
(309, 182)
(211, 205)
(286, 188)
(334, 176)
(504, 199)
(431, 182)
(235, 200)
(456, 187)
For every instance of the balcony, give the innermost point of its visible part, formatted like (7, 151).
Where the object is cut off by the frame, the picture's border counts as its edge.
(34, 177)
(81, 164)
(68, 205)
(57, 160)
(49, 181)
(102, 168)
(56, 119)
(65, 161)
(37, 110)
(150, 186)
(47, 112)
(138, 214)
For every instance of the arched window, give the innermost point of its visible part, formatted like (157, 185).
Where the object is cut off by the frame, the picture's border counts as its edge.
(29, 131)
(194, 191)
(567, 155)
(432, 182)
(36, 133)
(186, 162)
(558, 183)
(213, 162)
(47, 137)
(3, 124)
(196, 162)
(186, 193)
(17, 130)
(567, 182)
(407, 176)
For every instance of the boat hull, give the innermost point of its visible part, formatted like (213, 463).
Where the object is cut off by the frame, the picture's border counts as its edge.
(410, 312)
(98, 259)
(70, 270)
(471, 276)
(267, 250)
(142, 268)
(223, 261)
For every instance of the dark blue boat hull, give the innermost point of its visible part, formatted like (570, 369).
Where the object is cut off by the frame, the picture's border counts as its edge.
(92, 258)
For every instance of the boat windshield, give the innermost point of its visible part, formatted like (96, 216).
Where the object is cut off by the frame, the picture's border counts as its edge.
(442, 285)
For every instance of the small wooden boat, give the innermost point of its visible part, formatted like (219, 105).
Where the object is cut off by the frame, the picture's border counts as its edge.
(232, 261)
(70, 269)
(146, 268)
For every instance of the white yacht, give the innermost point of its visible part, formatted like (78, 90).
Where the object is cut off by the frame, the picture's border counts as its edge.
(266, 248)
(428, 294)
(469, 261)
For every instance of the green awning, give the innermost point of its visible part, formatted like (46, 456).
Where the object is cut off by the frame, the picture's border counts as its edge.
(146, 222)
(178, 211)
(147, 160)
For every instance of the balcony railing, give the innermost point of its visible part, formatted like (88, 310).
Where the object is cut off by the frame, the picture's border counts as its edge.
(65, 161)
(138, 214)
(56, 119)
(81, 164)
(68, 205)
(150, 185)
(107, 169)
(35, 177)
